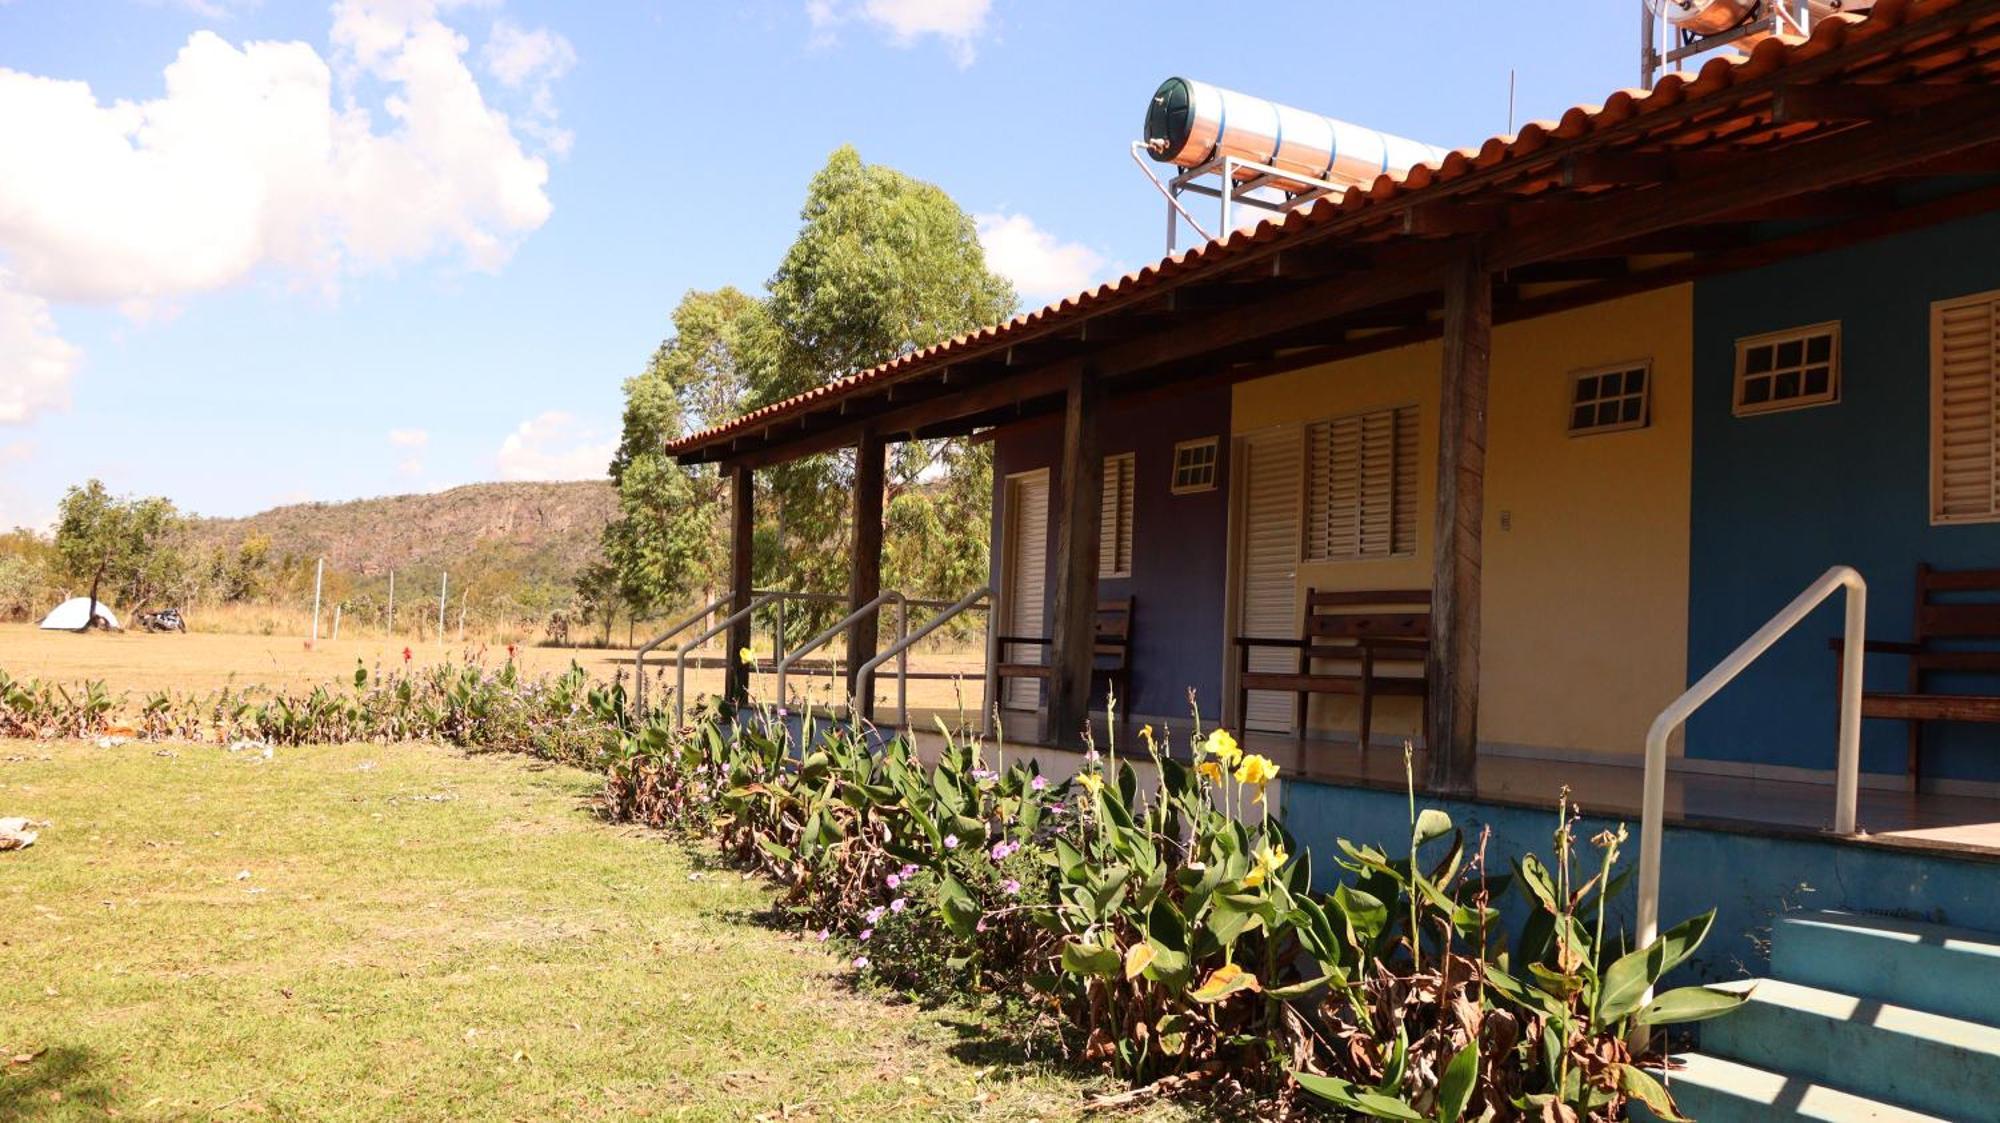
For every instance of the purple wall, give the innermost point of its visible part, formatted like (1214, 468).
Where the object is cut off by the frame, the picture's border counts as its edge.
(1179, 542)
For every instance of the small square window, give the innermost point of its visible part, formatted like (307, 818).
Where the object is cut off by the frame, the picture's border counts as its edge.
(1611, 399)
(1788, 369)
(1194, 466)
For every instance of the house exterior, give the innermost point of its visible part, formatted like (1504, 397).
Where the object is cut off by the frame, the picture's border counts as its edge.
(1609, 393)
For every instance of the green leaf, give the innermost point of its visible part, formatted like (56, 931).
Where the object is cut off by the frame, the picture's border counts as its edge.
(1638, 1084)
(1460, 1077)
(1300, 990)
(1083, 958)
(1625, 981)
(1366, 914)
(960, 909)
(1431, 823)
(1692, 1004)
(1374, 1104)
(774, 848)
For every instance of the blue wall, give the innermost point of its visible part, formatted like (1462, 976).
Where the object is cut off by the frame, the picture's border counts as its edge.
(1747, 879)
(1179, 542)
(1780, 497)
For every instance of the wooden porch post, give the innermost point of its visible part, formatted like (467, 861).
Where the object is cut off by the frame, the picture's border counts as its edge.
(742, 528)
(866, 582)
(1452, 728)
(1074, 637)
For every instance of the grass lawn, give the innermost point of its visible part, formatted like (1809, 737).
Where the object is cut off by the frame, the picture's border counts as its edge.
(405, 932)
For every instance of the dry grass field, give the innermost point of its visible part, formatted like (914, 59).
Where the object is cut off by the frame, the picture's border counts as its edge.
(141, 663)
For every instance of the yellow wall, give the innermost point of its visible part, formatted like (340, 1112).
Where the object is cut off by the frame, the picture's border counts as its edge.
(1584, 621)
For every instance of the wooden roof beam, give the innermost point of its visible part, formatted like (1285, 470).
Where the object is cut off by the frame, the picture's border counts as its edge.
(1840, 101)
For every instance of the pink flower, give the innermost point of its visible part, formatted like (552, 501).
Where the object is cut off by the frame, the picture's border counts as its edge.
(1040, 783)
(909, 872)
(861, 962)
(875, 915)
(951, 842)
(895, 881)
(898, 905)
(825, 935)
(1012, 887)
(865, 933)
(1004, 850)
(981, 926)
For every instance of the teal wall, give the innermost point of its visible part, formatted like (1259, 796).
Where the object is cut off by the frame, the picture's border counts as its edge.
(1748, 879)
(1778, 498)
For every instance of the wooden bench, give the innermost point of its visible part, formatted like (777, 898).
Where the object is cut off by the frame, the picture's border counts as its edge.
(1111, 653)
(1365, 629)
(1946, 627)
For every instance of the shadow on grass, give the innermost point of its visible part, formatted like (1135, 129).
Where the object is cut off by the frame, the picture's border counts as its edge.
(53, 1084)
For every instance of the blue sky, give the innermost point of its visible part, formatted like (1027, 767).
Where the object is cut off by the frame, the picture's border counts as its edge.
(383, 246)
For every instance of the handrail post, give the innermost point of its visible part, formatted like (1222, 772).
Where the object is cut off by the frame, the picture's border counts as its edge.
(681, 652)
(903, 665)
(864, 679)
(639, 656)
(1847, 765)
(827, 636)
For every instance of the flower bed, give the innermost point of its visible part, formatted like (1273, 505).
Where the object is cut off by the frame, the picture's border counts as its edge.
(1172, 932)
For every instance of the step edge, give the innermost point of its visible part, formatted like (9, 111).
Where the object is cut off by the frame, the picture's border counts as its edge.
(1703, 1069)
(1812, 1001)
(1962, 941)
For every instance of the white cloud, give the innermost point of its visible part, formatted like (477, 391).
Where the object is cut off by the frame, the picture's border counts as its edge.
(554, 446)
(958, 23)
(409, 438)
(263, 158)
(35, 362)
(531, 61)
(1042, 266)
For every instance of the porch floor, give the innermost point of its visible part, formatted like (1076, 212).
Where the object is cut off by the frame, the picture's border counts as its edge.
(1933, 821)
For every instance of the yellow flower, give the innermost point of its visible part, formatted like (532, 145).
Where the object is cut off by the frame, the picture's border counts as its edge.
(1223, 747)
(1211, 770)
(1146, 735)
(1256, 771)
(747, 655)
(1091, 781)
(1269, 861)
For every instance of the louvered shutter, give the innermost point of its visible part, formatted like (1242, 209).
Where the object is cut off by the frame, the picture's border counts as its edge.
(1361, 486)
(1027, 580)
(1965, 448)
(1267, 603)
(1114, 537)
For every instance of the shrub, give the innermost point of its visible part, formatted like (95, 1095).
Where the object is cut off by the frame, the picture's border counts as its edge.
(1173, 931)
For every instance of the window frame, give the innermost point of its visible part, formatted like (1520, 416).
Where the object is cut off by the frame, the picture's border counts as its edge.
(1645, 420)
(1109, 528)
(1774, 339)
(1214, 466)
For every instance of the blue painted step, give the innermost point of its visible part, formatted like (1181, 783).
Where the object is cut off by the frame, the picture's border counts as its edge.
(1712, 1090)
(1949, 971)
(1896, 1054)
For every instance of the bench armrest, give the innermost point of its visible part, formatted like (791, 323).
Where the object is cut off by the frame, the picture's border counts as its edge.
(1260, 641)
(1878, 646)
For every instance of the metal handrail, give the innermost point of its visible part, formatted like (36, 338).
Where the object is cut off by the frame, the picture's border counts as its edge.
(681, 653)
(826, 637)
(639, 656)
(864, 681)
(1847, 767)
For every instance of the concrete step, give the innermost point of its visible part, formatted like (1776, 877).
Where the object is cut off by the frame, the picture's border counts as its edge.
(1915, 1059)
(1949, 971)
(1712, 1090)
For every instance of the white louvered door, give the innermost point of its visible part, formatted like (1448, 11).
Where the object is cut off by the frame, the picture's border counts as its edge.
(1965, 410)
(1272, 467)
(1027, 580)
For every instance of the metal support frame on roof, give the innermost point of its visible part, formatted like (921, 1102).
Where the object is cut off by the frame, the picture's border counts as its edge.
(1774, 17)
(1224, 179)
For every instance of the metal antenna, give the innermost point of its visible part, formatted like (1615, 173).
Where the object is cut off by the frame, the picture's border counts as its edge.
(1510, 101)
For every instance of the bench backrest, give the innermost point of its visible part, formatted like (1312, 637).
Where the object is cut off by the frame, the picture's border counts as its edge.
(1114, 628)
(1334, 620)
(1946, 608)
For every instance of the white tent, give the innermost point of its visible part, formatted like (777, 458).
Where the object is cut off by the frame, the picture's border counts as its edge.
(70, 615)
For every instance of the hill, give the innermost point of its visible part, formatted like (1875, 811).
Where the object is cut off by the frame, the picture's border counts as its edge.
(549, 528)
